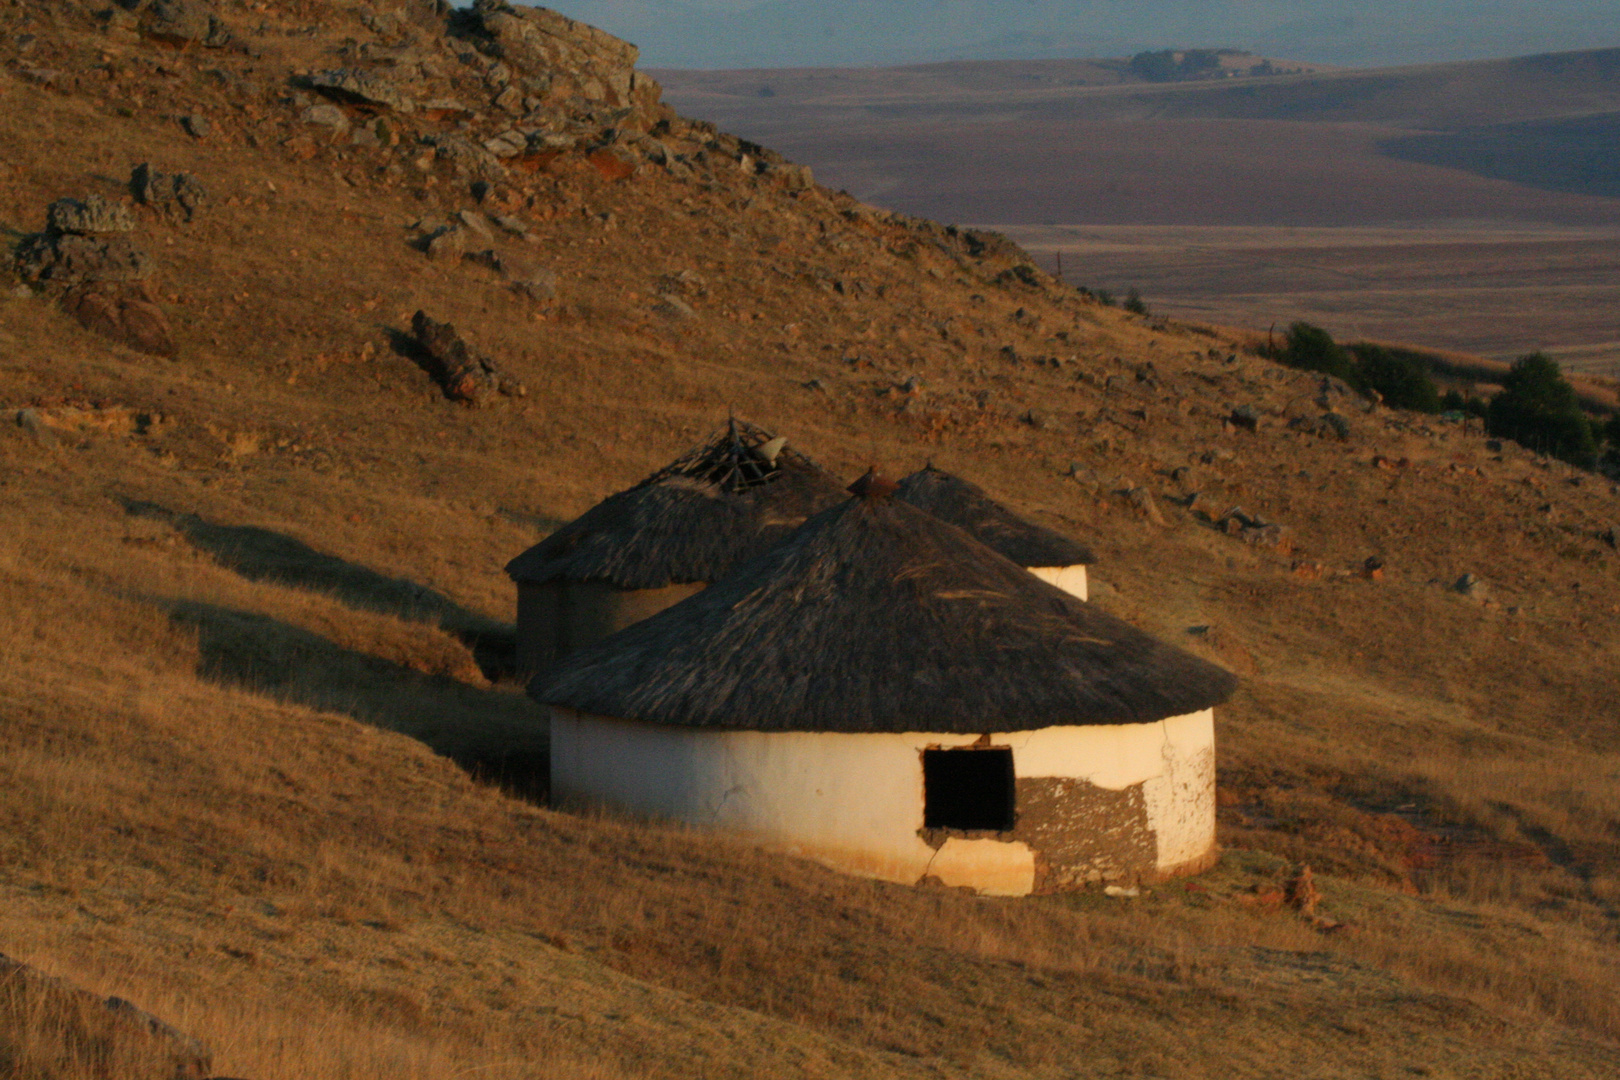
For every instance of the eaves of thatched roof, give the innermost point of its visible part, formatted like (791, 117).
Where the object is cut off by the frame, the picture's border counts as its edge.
(875, 616)
(691, 521)
(965, 505)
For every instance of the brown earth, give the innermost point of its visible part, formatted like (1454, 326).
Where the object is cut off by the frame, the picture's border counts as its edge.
(253, 627)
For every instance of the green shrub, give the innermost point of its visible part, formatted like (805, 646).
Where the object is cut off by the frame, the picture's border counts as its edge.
(1611, 432)
(1398, 375)
(1312, 348)
(1134, 304)
(1537, 408)
(1105, 298)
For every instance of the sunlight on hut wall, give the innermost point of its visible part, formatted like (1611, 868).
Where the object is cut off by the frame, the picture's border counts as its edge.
(1122, 802)
(1071, 579)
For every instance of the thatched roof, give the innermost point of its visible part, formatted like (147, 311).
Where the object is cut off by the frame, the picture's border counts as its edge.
(876, 616)
(693, 520)
(965, 505)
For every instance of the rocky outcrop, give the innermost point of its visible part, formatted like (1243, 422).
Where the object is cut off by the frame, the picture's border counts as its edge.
(87, 259)
(555, 62)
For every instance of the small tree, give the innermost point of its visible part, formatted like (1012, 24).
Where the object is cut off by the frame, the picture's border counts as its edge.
(1398, 375)
(1133, 303)
(1313, 349)
(1537, 408)
(1154, 66)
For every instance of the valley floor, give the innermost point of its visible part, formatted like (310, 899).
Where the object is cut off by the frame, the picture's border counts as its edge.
(1499, 291)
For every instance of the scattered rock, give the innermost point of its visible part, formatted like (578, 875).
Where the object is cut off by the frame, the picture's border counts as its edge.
(326, 116)
(184, 22)
(355, 87)
(452, 363)
(792, 177)
(1036, 420)
(1610, 536)
(1244, 417)
(1470, 586)
(177, 196)
(446, 244)
(674, 308)
(1301, 892)
(93, 215)
(477, 222)
(539, 285)
(31, 421)
(1373, 568)
(515, 226)
(1327, 426)
(1142, 500)
(1254, 530)
(123, 313)
(197, 127)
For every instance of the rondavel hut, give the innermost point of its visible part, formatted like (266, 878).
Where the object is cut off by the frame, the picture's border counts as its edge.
(638, 552)
(1048, 555)
(886, 695)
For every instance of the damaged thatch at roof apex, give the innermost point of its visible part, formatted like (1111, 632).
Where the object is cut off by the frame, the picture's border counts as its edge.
(729, 498)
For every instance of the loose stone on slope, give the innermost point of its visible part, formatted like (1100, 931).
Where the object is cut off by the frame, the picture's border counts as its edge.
(90, 216)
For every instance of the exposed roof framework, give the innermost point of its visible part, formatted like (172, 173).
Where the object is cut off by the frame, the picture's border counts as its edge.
(730, 497)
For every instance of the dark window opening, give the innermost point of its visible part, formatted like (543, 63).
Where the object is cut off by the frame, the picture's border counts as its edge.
(970, 789)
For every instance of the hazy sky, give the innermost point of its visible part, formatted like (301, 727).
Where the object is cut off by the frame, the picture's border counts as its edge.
(791, 33)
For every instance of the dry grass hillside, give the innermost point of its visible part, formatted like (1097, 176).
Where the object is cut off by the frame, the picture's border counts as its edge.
(262, 772)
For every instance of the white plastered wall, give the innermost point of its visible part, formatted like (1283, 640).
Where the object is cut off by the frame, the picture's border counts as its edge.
(1071, 579)
(855, 801)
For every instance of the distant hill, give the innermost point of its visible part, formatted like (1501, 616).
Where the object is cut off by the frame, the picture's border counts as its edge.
(782, 33)
(1093, 144)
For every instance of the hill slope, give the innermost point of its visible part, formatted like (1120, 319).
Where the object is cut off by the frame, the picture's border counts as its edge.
(252, 615)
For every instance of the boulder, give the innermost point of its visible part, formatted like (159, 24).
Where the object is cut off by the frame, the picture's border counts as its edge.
(176, 196)
(538, 285)
(92, 215)
(1244, 417)
(464, 375)
(184, 23)
(123, 313)
(366, 89)
(447, 244)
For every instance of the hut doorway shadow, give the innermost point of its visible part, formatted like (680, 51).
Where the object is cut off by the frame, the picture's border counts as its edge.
(260, 554)
(496, 735)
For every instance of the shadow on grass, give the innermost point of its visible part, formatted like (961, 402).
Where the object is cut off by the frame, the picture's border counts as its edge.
(497, 736)
(260, 554)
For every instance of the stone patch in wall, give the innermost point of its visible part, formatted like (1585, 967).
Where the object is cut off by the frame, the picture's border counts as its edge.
(1083, 834)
